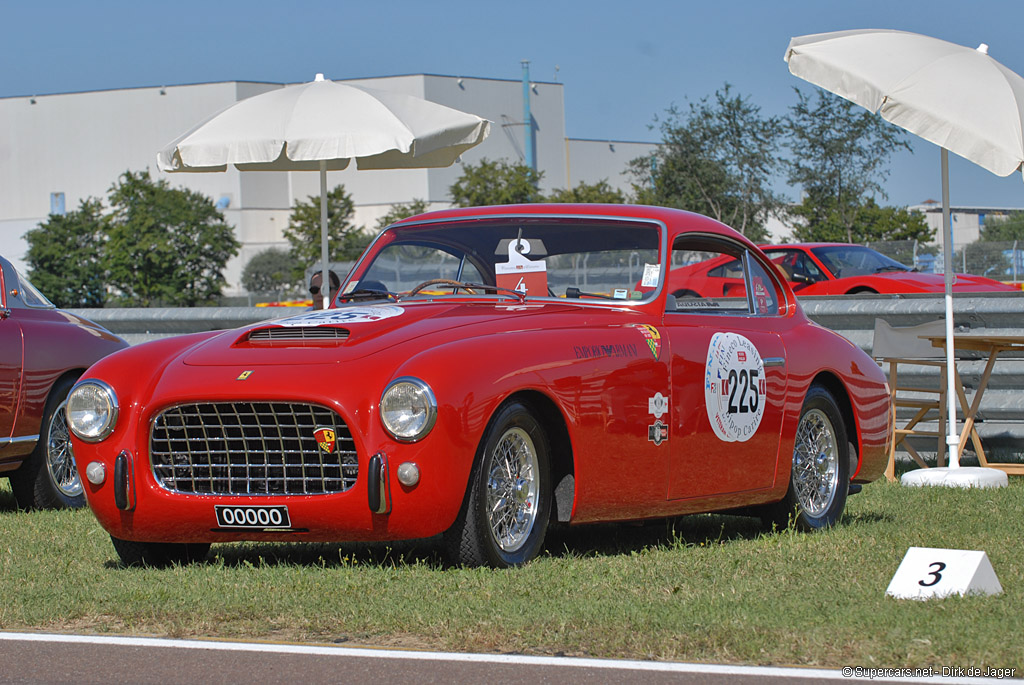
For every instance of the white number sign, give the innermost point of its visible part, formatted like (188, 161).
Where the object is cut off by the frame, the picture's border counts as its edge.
(735, 388)
(927, 572)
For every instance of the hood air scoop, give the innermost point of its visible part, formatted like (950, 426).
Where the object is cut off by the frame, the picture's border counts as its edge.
(293, 333)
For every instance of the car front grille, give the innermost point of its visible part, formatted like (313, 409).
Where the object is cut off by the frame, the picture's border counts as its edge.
(252, 448)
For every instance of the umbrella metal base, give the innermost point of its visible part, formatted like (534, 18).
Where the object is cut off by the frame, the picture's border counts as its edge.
(958, 477)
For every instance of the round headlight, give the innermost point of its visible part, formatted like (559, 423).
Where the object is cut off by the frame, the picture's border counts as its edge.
(408, 409)
(92, 410)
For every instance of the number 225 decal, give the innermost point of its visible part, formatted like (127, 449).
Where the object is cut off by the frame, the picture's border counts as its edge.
(734, 387)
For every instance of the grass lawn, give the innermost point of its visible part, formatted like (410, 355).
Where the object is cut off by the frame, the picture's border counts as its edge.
(702, 588)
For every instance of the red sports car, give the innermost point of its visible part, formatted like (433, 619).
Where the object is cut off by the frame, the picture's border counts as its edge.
(485, 373)
(830, 269)
(44, 351)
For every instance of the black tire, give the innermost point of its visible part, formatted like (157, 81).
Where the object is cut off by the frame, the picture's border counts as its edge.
(505, 516)
(159, 554)
(48, 479)
(820, 477)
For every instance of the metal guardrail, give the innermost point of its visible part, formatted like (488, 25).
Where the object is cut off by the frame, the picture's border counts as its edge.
(1002, 410)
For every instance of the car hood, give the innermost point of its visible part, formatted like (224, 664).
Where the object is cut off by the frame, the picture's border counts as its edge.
(348, 333)
(913, 281)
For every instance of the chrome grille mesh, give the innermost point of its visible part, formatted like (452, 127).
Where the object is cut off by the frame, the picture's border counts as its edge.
(251, 448)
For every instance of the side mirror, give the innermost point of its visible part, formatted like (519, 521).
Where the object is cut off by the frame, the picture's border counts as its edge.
(801, 277)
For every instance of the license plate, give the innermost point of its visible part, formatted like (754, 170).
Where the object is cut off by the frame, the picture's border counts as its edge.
(253, 517)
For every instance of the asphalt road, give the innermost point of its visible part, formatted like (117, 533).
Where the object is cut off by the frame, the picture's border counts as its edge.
(45, 658)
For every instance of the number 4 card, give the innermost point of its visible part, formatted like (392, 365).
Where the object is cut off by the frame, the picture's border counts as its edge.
(927, 572)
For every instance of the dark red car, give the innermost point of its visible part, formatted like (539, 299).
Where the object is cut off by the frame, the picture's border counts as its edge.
(43, 351)
(827, 269)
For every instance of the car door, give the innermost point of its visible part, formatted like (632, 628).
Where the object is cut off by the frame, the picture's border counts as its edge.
(11, 354)
(728, 381)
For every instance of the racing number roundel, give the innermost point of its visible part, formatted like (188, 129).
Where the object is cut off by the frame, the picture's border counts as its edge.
(734, 387)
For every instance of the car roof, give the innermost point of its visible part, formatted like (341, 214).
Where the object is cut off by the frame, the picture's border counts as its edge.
(809, 245)
(677, 220)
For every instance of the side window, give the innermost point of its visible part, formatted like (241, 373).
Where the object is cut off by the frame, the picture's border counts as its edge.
(716, 276)
(796, 266)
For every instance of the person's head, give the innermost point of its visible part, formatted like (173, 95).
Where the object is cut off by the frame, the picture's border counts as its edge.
(316, 280)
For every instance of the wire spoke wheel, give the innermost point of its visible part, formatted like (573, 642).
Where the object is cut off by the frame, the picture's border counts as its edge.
(507, 507)
(815, 463)
(512, 489)
(60, 460)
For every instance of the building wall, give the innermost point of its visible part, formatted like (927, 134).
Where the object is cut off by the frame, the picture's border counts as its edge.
(79, 143)
(967, 221)
(593, 161)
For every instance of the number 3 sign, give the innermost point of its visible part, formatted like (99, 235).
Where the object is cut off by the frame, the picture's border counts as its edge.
(926, 572)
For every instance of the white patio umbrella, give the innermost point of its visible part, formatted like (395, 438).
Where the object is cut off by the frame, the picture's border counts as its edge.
(321, 126)
(956, 97)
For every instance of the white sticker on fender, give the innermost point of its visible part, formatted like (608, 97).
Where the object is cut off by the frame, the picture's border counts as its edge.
(342, 316)
(734, 387)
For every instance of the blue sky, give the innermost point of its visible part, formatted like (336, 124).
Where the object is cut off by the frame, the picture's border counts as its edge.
(622, 63)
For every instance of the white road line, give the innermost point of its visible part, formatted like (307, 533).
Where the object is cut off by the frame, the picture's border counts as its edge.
(375, 653)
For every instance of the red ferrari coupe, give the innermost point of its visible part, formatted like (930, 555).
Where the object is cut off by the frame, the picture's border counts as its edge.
(485, 373)
(44, 351)
(827, 269)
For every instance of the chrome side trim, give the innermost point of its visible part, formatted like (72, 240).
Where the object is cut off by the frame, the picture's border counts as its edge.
(774, 361)
(27, 439)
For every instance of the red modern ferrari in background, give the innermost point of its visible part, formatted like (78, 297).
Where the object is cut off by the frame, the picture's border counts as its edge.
(827, 269)
(43, 351)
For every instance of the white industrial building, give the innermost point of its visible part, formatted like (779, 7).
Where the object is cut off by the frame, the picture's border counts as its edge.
(968, 222)
(57, 150)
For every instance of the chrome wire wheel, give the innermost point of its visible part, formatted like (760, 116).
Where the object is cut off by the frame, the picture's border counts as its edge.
(60, 460)
(513, 489)
(815, 463)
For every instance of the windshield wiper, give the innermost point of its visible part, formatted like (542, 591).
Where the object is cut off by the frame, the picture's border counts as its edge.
(891, 267)
(368, 294)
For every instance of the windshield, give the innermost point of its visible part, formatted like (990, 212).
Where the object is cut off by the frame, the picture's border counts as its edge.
(30, 296)
(855, 260)
(534, 257)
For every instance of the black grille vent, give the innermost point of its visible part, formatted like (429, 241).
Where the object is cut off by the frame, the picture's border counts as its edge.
(252, 448)
(285, 333)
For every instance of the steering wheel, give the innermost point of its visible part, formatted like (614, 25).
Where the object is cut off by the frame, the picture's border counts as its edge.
(441, 281)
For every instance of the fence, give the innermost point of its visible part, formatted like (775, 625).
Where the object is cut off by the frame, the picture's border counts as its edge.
(1000, 261)
(1002, 410)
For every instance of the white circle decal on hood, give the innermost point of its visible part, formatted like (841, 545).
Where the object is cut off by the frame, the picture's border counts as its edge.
(342, 316)
(734, 387)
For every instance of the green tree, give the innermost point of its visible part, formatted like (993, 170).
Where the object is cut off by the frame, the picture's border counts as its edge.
(65, 256)
(496, 183)
(840, 153)
(402, 210)
(718, 158)
(345, 241)
(166, 245)
(990, 255)
(823, 222)
(1004, 229)
(600, 192)
(271, 270)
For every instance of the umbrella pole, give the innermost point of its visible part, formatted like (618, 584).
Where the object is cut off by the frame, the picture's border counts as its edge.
(952, 438)
(325, 282)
